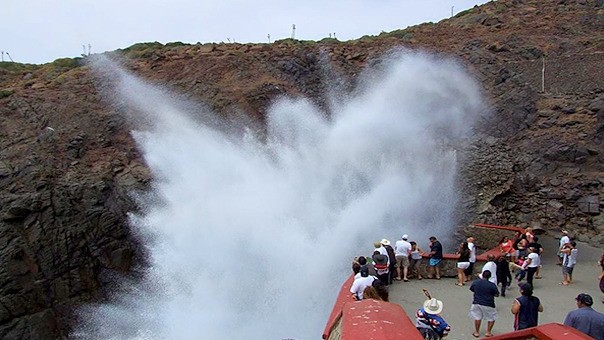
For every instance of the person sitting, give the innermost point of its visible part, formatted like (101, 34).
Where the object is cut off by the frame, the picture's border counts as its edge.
(371, 293)
(428, 321)
(506, 246)
(359, 284)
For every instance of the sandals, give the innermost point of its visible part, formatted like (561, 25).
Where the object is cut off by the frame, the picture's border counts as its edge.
(476, 335)
(459, 284)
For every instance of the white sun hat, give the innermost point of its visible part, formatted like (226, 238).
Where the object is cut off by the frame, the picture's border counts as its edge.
(433, 306)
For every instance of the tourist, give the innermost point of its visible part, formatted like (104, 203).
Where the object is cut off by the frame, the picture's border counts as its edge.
(379, 247)
(533, 261)
(520, 267)
(436, 256)
(539, 249)
(490, 266)
(483, 304)
(506, 246)
(520, 245)
(601, 277)
(530, 236)
(416, 259)
(470, 270)
(381, 289)
(526, 308)
(371, 293)
(359, 284)
(391, 260)
(402, 250)
(463, 262)
(428, 321)
(503, 272)
(381, 264)
(564, 239)
(569, 259)
(363, 262)
(586, 319)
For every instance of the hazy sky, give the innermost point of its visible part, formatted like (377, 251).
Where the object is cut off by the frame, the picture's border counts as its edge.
(39, 31)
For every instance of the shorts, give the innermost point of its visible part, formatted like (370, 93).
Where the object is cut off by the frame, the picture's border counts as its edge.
(567, 270)
(402, 261)
(463, 265)
(480, 312)
(434, 262)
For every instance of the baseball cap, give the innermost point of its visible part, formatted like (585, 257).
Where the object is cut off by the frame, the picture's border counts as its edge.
(585, 299)
(405, 237)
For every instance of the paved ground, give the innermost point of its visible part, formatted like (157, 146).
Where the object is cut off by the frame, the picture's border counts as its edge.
(557, 300)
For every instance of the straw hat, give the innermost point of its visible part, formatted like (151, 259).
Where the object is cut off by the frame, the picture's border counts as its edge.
(433, 306)
(385, 242)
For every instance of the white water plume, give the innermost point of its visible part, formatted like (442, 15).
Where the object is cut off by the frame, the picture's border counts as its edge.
(253, 238)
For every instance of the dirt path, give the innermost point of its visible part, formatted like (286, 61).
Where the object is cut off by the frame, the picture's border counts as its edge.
(557, 300)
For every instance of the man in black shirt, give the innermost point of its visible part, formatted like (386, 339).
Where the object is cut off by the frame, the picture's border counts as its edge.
(436, 255)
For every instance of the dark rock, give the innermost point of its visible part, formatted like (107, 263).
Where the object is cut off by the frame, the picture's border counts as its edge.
(589, 204)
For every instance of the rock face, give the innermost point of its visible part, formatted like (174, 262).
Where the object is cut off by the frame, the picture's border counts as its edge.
(68, 163)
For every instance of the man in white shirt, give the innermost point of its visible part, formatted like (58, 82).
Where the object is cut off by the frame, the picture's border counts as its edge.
(563, 241)
(402, 249)
(359, 284)
(492, 267)
(533, 261)
(470, 270)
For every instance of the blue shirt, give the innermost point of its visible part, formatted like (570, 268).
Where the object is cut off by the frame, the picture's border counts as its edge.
(528, 316)
(485, 292)
(588, 321)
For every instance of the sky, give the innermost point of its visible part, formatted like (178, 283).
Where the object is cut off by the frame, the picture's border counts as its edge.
(40, 31)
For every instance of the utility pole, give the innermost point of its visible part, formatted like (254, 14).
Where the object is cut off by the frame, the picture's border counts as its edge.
(11, 59)
(269, 38)
(543, 76)
(293, 31)
(84, 49)
(452, 7)
(2, 55)
(89, 47)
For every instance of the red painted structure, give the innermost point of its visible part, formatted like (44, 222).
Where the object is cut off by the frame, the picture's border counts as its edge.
(379, 320)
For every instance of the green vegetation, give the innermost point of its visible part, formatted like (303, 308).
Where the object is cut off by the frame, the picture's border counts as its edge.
(141, 50)
(176, 44)
(6, 92)
(17, 67)
(290, 41)
(462, 13)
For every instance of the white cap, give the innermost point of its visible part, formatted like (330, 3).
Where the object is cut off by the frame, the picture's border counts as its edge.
(405, 237)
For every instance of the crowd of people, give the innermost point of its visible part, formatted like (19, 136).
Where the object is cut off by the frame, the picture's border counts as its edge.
(520, 257)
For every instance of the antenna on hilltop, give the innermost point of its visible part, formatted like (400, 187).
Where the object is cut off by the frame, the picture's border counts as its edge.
(452, 7)
(2, 55)
(269, 38)
(294, 31)
(89, 47)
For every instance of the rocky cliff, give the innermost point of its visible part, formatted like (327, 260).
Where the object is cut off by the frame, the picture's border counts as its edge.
(68, 163)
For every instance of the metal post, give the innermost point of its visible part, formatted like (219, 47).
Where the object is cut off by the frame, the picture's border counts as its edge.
(269, 38)
(452, 7)
(543, 76)
(2, 55)
(293, 31)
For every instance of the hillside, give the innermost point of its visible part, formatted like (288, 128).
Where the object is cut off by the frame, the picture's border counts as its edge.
(68, 162)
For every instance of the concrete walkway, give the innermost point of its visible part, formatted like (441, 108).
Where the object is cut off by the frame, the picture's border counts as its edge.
(557, 300)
